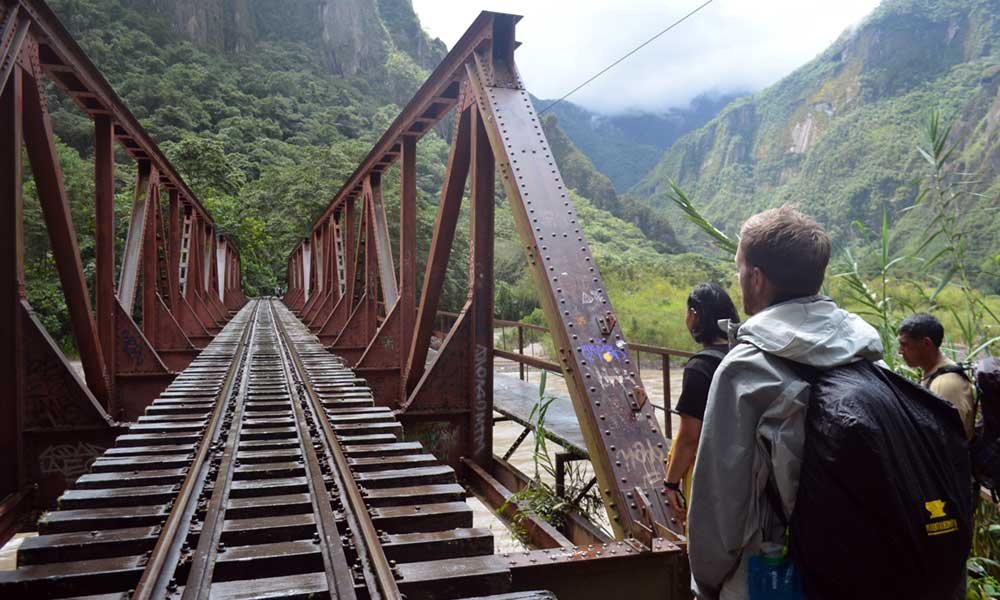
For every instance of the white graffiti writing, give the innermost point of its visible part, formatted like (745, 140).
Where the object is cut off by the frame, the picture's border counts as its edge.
(644, 457)
(68, 460)
(481, 408)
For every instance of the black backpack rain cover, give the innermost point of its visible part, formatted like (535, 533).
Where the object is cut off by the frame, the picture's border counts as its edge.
(884, 504)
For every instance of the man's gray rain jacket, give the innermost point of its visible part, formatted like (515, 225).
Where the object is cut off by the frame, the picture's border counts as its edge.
(754, 427)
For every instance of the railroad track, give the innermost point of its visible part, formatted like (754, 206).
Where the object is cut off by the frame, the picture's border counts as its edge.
(264, 470)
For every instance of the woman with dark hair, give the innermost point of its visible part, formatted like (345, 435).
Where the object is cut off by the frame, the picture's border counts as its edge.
(706, 306)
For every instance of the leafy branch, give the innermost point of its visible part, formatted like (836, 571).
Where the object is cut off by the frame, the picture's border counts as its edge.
(721, 239)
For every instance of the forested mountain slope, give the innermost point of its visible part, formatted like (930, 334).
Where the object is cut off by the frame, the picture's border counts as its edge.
(265, 108)
(839, 135)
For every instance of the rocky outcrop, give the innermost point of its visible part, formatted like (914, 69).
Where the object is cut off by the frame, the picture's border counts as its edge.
(219, 25)
(353, 37)
(407, 34)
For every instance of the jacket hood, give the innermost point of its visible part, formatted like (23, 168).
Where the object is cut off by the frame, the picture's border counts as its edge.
(813, 331)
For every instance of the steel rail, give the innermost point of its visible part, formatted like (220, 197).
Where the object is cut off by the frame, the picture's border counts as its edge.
(370, 545)
(340, 581)
(199, 578)
(155, 576)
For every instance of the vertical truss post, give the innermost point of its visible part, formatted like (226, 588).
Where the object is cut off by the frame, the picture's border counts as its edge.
(150, 271)
(318, 243)
(407, 250)
(372, 273)
(382, 247)
(221, 266)
(623, 437)
(346, 264)
(40, 142)
(12, 473)
(331, 263)
(174, 248)
(104, 240)
(339, 247)
(184, 267)
(316, 286)
(292, 278)
(351, 232)
(205, 241)
(444, 234)
(128, 278)
(482, 188)
(307, 270)
(212, 280)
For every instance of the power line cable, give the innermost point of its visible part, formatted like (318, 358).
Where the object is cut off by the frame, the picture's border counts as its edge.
(633, 51)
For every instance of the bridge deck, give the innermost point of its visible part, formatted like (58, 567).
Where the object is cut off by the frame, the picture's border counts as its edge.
(264, 468)
(515, 399)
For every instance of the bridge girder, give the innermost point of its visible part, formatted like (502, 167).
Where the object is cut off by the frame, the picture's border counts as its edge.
(380, 325)
(54, 420)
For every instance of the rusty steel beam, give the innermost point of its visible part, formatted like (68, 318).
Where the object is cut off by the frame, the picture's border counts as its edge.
(128, 277)
(382, 250)
(104, 237)
(13, 31)
(616, 569)
(407, 253)
(482, 189)
(624, 441)
(148, 263)
(540, 533)
(40, 143)
(497, 128)
(174, 247)
(436, 96)
(12, 472)
(70, 69)
(449, 208)
(50, 408)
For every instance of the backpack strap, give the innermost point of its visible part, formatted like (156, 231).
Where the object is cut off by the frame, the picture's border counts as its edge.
(953, 368)
(711, 352)
(810, 375)
(807, 373)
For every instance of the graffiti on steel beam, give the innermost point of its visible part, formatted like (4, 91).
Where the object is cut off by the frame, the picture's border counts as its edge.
(50, 398)
(133, 347)
(602, 351)
(68, 460)
(646, 457)
(481, 368)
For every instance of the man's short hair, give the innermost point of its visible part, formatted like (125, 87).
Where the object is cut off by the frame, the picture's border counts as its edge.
(923, 325)
(792, 249)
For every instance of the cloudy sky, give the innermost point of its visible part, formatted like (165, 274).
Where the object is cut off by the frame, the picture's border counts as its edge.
(731, 45)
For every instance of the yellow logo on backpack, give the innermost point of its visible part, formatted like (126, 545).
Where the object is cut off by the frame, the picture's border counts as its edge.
(936, 510)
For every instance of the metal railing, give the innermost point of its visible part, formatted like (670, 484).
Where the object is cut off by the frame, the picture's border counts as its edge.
(525, 361)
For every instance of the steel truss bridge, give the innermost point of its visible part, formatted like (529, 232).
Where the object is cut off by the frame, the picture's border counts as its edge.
(306, 446)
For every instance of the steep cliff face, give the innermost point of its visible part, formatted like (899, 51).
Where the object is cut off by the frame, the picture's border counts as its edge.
(407, 34)
(353, 36)
(838, 136)
(220, 25)
(581, 175)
